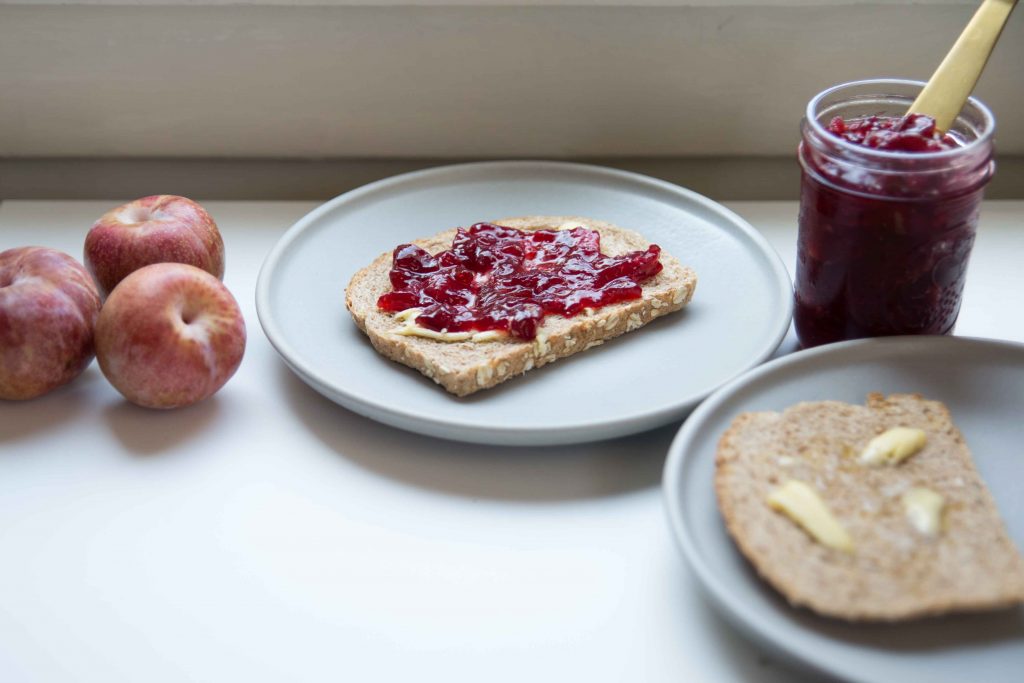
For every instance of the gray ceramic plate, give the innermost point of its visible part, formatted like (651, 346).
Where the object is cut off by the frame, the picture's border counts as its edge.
(740, 312)
(982, 382)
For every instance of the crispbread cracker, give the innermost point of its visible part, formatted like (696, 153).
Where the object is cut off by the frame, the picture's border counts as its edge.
(895, 572)
(466, 367)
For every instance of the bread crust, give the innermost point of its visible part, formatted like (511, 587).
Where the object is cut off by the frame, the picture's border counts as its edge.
(463, 368)
(895, 573)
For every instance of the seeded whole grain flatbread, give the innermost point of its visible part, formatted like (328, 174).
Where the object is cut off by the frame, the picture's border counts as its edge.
(895, 572)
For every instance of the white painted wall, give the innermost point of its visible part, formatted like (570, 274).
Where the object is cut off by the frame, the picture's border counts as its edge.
(305, 98)
(366, 79)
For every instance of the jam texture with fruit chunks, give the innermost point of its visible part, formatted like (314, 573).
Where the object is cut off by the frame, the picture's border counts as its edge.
(910, 133)
(499, 278)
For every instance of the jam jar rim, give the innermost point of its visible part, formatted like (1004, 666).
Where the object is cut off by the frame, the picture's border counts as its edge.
(988, 172)
(985, 138)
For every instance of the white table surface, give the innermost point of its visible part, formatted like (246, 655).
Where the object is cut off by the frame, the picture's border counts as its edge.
(270, 535)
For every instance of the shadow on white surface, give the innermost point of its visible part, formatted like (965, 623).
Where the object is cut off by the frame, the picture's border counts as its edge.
(24, 419)
(726, 651)
(145, 431)
(761, 667)
(476, 471)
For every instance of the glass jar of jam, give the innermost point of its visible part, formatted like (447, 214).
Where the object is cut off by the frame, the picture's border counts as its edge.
(888, 212)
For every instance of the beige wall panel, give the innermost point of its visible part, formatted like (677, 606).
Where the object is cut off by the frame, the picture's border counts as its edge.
(446, 82)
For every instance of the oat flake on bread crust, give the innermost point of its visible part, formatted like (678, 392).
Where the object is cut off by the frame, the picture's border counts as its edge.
(465, 367)
(895, 572)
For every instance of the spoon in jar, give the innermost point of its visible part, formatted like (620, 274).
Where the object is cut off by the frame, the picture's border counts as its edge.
(949, 87)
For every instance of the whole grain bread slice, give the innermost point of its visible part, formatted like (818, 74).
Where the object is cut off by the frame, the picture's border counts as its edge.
(894, 572)
(466, 367)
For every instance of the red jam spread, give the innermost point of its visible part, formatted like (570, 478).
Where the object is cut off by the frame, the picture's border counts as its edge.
(910, 133)
(882, 250)
(499, 278)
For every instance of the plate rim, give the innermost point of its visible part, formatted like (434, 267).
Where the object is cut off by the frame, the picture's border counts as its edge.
(679, 455)
(495, 433)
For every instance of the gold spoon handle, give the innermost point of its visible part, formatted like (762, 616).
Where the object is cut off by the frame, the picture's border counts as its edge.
(949, 87)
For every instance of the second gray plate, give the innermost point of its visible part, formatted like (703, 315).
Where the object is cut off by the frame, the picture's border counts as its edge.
(981, 381)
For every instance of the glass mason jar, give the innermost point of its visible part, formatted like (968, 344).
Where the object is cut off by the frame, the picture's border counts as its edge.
(885, 236)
